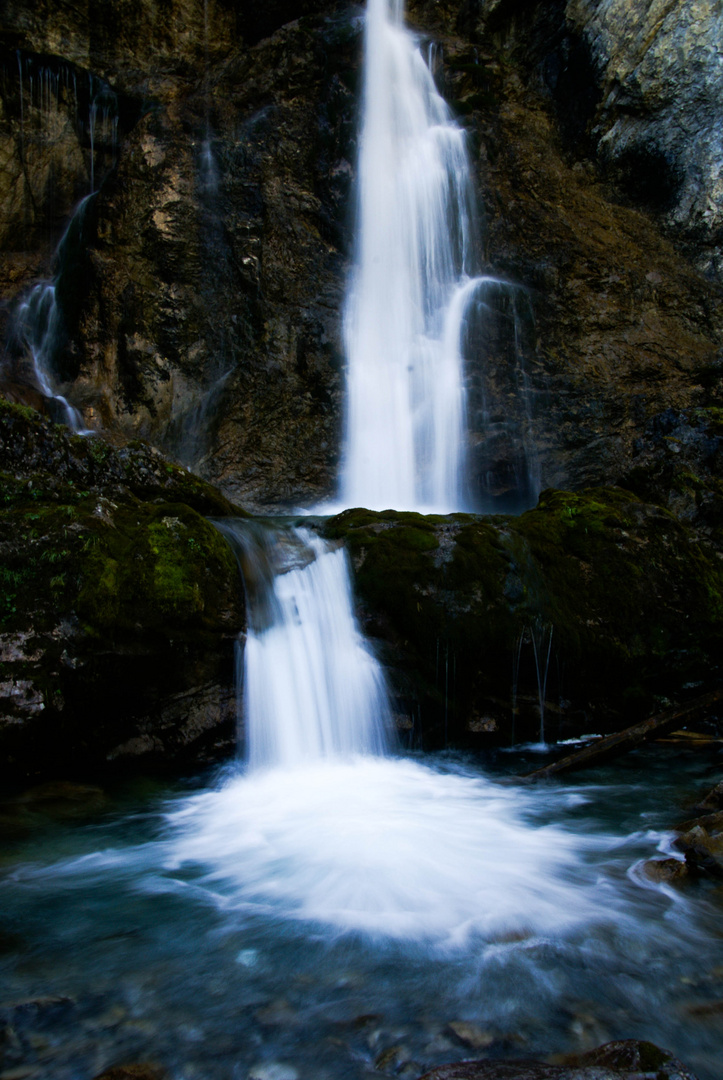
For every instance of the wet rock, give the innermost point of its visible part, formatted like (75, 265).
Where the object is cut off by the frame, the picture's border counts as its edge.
(471, 1034)
(624, 1060)
(713, 801)
(635, 1056)
(613, 576)
(133, 599)
(392, 1059)
(702, 844)
(598, 339)
(666, 871)
(141, 1071)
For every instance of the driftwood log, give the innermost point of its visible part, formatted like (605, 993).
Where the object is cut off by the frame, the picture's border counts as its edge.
(610, 746)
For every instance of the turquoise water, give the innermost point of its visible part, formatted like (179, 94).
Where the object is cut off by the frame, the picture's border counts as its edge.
(198, 926)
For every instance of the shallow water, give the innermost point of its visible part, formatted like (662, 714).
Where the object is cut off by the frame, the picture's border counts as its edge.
(320, 921)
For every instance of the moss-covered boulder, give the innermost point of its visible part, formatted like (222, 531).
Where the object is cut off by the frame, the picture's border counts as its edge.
(588, 609)
(119, 603)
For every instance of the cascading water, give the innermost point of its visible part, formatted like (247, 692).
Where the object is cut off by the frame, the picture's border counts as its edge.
(502, 914)
(322, 824)
(405, 420)
(39, 328)
(311, 688)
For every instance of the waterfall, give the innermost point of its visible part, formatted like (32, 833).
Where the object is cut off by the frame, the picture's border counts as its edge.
(405, 419)
(38, 326)
(311, 688)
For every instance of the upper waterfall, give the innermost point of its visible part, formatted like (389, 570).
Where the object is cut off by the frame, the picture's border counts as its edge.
(405, 422)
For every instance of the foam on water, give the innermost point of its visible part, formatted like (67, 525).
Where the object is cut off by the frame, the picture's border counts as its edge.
(390, 847)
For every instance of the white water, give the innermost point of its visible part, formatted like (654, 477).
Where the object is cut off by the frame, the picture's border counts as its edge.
(392, 848)
(38, 320)
(322, 827)
(311, 687)
(405, 420)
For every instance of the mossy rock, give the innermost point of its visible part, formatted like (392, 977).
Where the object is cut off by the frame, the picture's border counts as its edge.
(157, 567)
(114, 589)
(629, 607)
(57, 464)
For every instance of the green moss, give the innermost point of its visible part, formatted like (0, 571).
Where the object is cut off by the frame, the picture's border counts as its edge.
(635, 607)
(19, 412)
(156, 567)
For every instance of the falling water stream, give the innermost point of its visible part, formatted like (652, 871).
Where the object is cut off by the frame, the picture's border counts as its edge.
(39, 326)
(415, 250)
(328, 908)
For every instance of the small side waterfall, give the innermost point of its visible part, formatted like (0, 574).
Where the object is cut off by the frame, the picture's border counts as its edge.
(39, 331)
(311, 687)
(405, 422)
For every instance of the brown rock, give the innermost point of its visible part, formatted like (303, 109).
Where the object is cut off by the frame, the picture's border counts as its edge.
(666, 871)
(713, 801)
(142, 1071)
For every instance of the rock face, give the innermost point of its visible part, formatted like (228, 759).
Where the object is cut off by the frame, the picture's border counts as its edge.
(657, 127)
(612, 325)
(584, 608)
(119, 607)
(201, 307)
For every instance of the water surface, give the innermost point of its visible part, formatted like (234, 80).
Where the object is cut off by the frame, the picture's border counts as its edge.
(334, 921)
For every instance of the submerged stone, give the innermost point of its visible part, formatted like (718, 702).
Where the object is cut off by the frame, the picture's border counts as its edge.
(628, 1059)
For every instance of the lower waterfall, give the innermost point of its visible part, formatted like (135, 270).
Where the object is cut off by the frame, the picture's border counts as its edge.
(321, 912)
(311, 688)
(320, 824)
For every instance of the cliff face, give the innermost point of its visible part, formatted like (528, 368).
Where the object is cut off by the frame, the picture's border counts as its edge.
(201, 305)
(657, 127)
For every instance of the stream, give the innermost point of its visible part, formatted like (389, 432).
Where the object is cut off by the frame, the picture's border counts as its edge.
(360, 916)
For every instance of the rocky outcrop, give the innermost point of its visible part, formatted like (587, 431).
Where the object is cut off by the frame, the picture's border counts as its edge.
(585, 609)
(700, 839)
(119, 605)
(610, 325)
(201, 309)
(202, 304)
(657, 127)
